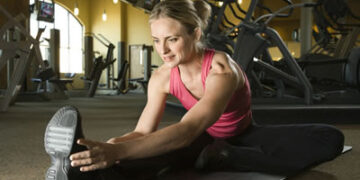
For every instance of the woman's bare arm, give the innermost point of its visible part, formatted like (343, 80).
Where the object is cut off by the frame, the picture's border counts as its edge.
(220, 86)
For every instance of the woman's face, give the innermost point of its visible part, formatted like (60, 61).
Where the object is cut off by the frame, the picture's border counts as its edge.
(172, 42)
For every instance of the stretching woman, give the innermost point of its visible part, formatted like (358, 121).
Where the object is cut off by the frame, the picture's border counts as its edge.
(217, 131)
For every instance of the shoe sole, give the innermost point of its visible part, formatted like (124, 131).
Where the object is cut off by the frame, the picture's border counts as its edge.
(58, 141)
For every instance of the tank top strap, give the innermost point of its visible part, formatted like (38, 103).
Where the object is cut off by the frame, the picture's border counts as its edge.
(206, 66)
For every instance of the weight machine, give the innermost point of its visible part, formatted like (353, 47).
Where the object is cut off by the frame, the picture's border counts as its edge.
(249, 43)
(99, 65)
(20, 53)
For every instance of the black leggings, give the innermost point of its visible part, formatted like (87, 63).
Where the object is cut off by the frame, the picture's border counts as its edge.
(283, 149)
(275, 149)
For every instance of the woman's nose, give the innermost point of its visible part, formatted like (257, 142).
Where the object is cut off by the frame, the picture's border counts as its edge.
(164, 48)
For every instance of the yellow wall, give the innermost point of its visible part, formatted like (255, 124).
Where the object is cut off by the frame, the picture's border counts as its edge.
(124, 23)
(90, 15)
(110, 29)
(138, 30)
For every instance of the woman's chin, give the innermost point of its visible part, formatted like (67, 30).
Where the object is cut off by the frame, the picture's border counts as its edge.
(170, 64)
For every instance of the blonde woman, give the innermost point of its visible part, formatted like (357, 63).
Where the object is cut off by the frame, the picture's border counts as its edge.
(217, 131)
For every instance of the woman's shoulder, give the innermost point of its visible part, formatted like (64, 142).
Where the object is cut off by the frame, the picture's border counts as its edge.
(223, 64)
(162, 71)
(222, 61)
(161, 77)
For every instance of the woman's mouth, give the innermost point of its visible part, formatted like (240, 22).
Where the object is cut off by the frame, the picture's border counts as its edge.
(168, 58)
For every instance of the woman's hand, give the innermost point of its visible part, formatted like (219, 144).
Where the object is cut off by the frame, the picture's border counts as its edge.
(99, 156)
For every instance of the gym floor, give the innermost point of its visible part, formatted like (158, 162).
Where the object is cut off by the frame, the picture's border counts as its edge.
(22, 154)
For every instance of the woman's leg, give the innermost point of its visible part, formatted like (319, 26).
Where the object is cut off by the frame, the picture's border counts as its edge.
(279, 149)
(147, 168)
(150, 168)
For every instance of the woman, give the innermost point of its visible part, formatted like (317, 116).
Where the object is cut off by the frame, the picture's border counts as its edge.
(217, 95)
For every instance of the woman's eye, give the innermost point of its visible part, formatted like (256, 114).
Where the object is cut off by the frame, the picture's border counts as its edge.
(155, 40)
(173, 39)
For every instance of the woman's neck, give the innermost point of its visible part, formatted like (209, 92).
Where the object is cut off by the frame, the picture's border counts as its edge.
(194, 65)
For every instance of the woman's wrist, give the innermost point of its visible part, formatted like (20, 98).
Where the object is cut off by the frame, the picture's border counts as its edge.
(124, 138)
(121, 151)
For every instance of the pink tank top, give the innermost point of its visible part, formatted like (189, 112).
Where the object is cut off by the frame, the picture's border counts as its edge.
(237, 116)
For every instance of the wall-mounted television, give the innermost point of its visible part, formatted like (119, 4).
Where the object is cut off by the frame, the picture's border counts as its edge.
(149, 4)
(46, 11)
(132, 1)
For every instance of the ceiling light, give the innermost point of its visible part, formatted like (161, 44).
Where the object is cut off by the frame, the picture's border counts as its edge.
(76, 9)
(104, 17)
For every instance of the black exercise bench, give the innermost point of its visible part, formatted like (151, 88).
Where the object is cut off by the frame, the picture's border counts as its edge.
(59, 84)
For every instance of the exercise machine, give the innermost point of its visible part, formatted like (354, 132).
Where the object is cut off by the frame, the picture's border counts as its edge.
(96, 71)
(20, 53)
(267, 79)
(335, 58)
(123, 85)
(101, 64)
(140, 65)
(46, 77)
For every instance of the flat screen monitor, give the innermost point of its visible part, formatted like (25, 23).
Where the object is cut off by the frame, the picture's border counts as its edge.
(149, 4)
(46, 11)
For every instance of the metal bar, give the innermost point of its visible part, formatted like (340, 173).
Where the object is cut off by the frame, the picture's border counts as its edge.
(102, 36)
(294, 66)
(15, 22)
(278, 73)
(12, 46)
(97, 38)
(214, 29)
(18, 75)
(306, 29)
(4, 57)
(16, 79)
(251, 10)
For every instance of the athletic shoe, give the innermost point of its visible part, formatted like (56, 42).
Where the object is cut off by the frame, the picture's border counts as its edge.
(61, 134)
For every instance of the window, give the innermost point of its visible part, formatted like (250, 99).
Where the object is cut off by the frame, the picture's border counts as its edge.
(71, 44)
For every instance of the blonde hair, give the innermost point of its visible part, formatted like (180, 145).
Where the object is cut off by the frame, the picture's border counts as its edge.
(191, 14)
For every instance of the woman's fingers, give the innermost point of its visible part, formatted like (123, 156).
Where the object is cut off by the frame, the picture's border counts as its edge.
(86, 157)
(85, 154)
(99, 165)
(87, 161)
(88, 143)
(99, 156)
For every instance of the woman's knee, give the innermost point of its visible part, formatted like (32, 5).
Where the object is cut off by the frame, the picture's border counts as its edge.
(338, 140)
(331, 138)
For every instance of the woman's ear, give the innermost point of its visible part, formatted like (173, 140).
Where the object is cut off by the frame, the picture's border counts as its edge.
(198, 33)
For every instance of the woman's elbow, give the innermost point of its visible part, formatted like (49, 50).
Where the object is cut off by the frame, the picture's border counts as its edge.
(113, 140)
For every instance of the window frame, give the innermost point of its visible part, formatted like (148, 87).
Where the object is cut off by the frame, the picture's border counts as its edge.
(68, 67)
